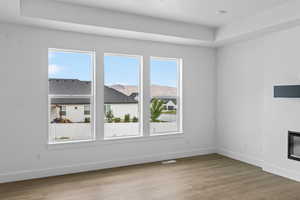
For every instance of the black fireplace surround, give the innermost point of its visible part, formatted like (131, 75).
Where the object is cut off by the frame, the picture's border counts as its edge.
(287, 91)
(294, 145)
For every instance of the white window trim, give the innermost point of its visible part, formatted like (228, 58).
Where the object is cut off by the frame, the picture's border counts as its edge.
(92, 96)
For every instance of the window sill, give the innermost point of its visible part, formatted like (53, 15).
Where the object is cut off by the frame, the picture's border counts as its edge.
(70, 144)
(112, 141)
(123, 138)
(166, 134)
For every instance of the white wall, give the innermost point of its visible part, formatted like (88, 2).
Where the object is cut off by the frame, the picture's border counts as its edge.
(24, 151)
(240, 101)
(251, 124)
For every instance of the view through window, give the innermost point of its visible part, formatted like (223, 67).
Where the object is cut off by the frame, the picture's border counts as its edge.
(70, 77)
(71, 96)
(165, 95)
(122, 96)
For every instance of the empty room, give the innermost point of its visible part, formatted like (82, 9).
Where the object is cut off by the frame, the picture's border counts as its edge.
(150, 100)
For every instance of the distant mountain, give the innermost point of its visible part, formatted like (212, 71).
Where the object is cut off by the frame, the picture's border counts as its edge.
(156, 90)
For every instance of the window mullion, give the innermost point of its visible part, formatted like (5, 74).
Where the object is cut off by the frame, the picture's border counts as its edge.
(99, 88)
(180, 95)
(146, 96)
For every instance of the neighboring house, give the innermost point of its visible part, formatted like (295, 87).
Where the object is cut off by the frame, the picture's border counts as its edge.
(75, 112)
(78, 109)
(119, 103)
(170, 102)
(165, 93)
(170, 105)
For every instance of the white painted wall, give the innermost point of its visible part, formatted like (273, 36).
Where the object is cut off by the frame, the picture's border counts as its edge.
(240, 101)
(252, 125)
(24, 151)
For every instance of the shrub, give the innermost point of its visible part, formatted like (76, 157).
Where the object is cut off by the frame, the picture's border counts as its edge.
(117, 120)
(63, 138)
(61, 120)
(109, 116)
(135, 119)
(87, 120)
(127, 118)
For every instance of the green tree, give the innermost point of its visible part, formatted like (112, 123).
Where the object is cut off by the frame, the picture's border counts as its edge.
(109, 116)
(135, 119)
(156, 109)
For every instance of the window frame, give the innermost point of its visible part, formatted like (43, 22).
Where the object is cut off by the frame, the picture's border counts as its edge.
(179, 100)
(140, 96)
(92, 96)
(97, 77)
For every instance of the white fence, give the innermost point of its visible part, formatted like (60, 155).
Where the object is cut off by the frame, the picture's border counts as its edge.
(69, 131)
(82, 131)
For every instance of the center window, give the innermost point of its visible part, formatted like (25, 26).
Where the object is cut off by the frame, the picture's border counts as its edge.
(122, 96)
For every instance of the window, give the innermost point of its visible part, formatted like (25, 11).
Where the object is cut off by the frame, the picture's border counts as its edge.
(71, 95)
(122, 96)
(87, 110)
(165, 92)
(63, 110)
(107, 108)
(170, 108)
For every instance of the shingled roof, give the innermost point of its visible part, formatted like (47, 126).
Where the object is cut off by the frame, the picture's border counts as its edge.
(78, 87)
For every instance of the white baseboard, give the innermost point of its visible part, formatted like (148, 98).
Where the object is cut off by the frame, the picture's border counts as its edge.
(40, 173)
(294, 175)
(290, 174)
(239, 156)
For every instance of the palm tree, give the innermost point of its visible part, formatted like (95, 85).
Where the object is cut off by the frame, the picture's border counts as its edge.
(156, 109)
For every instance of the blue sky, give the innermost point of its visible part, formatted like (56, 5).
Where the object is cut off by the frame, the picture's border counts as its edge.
(117, 69)
(163, 72)
(69, 65)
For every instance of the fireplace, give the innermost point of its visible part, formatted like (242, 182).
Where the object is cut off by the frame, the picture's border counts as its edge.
(294, 145)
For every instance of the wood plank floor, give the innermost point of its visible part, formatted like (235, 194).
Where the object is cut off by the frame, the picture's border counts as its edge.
(211, 177)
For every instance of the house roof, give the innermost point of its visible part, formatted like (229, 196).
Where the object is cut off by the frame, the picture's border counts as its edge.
(68, 101)
(78, 87)
(166, 99)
